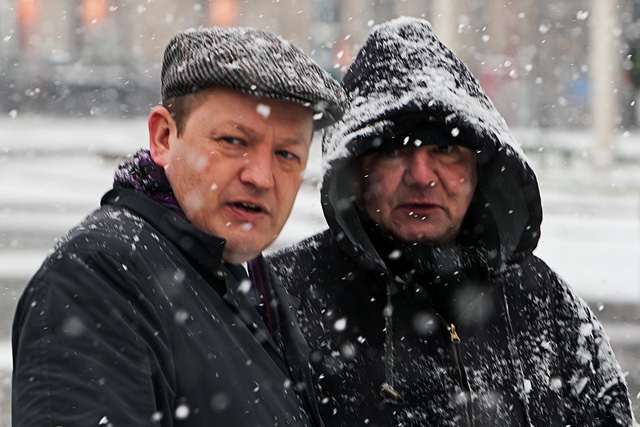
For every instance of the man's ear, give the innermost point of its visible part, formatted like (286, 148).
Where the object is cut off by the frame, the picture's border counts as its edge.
(161, 129)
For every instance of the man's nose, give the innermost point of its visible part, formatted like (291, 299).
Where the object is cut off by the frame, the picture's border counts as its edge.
(257, 169)
(419, 169)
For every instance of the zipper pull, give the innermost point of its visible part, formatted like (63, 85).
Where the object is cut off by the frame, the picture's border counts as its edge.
(389, 394)
(454, 335)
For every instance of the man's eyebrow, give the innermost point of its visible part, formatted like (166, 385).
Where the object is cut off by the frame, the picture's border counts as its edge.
(289, 138)
(296, 141)
(231, 126)
(242, 128)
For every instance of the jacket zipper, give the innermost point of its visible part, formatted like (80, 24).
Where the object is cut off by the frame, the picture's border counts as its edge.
(455, 341)
(453, 333)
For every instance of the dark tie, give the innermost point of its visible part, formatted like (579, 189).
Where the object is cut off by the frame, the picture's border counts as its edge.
(240, 274)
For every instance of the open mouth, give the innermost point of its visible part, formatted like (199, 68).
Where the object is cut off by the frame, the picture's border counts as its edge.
(249, 207)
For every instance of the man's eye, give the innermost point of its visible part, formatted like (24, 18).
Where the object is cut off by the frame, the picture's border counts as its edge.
(287, 155)
(446, 149)
(232, 140)
(391, 152)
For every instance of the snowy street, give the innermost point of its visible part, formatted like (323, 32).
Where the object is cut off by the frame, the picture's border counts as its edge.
(53, 172)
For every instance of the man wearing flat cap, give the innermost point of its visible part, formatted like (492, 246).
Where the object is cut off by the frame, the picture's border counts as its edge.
(158, 309)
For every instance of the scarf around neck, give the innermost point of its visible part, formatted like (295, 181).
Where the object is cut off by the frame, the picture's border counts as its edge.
(142, 174)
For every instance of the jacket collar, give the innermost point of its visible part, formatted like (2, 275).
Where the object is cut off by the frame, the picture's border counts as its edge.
(203, 250)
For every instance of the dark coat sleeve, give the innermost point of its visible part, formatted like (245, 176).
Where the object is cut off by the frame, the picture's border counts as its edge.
(586, 373)
(594, 381)
(79, 314)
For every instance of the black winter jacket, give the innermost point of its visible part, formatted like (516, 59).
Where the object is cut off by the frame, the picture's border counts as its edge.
(484, 333)
(134, 321)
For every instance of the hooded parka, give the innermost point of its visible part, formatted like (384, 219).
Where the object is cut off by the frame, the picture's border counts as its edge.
(481, 333)
(133, 320)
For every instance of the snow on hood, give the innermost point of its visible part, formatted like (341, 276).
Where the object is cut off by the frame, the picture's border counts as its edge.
(404, 68)
(405, 77)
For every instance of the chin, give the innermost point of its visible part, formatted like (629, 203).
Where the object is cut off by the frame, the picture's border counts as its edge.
(239, 256)
(248, 249)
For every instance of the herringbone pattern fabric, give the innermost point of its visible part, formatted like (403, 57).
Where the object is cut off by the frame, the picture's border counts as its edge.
(251, 61)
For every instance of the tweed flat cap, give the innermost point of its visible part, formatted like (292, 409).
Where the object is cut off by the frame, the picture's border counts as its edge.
(251, 61)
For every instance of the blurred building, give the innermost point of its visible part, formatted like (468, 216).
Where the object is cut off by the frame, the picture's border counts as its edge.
(102, 57)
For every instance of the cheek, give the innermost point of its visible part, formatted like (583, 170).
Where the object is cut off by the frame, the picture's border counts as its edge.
(381, 185)
(288, 187)
(198, 162)
(291, 177)
(466, 186)
(193, 202)
(471, 180)
(461, 179)
(373, 198)
(372, 192)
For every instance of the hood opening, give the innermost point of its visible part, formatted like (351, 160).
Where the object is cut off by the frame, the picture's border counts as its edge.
(502, 216)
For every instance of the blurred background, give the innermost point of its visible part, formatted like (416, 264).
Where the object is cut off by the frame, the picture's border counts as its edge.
(78, 78)
(545, 63)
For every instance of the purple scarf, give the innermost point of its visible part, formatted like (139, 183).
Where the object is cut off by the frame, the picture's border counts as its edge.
(142, 174)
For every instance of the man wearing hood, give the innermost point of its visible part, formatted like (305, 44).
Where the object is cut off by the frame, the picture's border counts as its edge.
(422, 303)
(145, 313)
